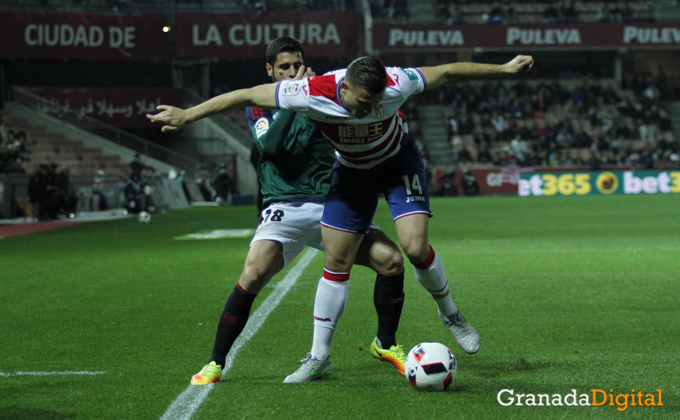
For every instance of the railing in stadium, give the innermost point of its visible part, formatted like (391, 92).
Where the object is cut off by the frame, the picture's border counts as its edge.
(225, 123)
(123, 138)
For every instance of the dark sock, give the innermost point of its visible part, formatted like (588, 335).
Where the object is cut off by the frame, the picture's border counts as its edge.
(388, 298)
(234, 317)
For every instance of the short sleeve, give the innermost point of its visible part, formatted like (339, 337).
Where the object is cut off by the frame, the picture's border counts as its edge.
(293, 95)
(409, 81)
(259, 121)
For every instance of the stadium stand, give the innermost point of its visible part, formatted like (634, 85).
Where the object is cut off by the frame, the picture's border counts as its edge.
(33, 145)
(448, 12)
(452, 12)
(550, 123)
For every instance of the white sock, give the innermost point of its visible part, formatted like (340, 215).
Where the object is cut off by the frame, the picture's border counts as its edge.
(433, 278)
(331, 298)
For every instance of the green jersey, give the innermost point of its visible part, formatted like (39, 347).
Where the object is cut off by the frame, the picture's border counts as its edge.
(296, 161)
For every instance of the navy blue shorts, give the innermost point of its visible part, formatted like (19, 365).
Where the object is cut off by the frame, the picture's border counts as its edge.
(353, 196)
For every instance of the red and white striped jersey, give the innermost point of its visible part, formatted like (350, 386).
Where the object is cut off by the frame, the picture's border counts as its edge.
(359, 143)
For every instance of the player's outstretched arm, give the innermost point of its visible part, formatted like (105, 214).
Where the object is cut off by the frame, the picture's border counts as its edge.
(174, 118)
(464, 72)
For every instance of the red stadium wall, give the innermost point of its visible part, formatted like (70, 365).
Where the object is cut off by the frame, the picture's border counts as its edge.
(237, 35)
(528, 37)
(83, 36)
(198, 35)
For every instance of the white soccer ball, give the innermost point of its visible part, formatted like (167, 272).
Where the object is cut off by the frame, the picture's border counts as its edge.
(144, 217)
(430, 367)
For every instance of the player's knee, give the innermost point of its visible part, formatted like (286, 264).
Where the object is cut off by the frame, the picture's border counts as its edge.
(338, 262)
(253, 277)
(416, 251)
(393, 263)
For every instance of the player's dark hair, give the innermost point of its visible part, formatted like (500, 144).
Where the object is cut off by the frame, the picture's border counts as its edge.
(367, 73)
(280, 45)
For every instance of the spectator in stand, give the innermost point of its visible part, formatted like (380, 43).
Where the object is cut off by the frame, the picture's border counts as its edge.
(13, 148)
(224, 185)
(441, 11)
(453, 15)
(464, 156)
(550, 14)
(256, 6)
(519, 148)
(594, 161)
(378, 10)
(399, 11)
(484, 155)
(498, 123)
(664, 121)
(661, 83)
(68, 200)
(673, 156)
(604, 13)
(465, 124)
(453, 127)
(569, 14)
(44, 193)
(98, 199)
(135, 199)
(137, 166)
(500, 13)
(53, 175)
(4, 130)
(206, 192)
(469, 182)
(448, 187)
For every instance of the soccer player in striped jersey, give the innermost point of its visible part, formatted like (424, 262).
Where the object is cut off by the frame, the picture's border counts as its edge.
(358, 111)
(294, 169)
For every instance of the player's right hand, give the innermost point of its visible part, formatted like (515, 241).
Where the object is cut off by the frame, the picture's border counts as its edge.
(173, 118)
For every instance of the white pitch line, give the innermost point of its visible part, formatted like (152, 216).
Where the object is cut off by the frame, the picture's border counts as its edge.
(186, 404)
(68, 372)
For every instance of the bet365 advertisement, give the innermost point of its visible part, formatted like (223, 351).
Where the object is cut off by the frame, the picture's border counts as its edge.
(599, 183)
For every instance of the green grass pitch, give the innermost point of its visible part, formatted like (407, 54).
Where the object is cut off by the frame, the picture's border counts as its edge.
(567, 293)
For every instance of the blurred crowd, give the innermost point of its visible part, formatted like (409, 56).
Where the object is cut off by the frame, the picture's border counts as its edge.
(458, 12)
(552, 124)
(393, 10)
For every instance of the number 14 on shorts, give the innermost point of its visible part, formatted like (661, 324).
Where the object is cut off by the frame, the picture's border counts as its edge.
(412, 186)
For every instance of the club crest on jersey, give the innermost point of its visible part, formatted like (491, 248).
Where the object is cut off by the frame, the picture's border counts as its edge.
(261, 127)
(291, 90)
(411, 75)
(379, 111)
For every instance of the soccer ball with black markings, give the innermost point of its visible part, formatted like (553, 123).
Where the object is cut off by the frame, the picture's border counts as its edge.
(430, 367)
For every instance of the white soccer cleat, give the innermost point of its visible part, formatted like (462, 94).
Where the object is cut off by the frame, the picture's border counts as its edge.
(465, 334)
(312, 369)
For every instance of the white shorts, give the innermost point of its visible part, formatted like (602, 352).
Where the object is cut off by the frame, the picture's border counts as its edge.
(294, 225)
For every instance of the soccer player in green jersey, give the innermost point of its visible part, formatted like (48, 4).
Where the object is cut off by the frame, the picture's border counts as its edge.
(295, 172)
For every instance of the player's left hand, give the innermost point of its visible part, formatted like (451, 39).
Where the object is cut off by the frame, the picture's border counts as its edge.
(304, 73)
(173, 118)
(519, 64)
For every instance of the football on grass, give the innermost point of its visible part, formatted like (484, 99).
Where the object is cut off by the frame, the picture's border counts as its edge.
(144, 217)
(430, 367)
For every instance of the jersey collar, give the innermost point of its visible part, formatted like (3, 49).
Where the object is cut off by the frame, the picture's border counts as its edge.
(337, 93)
